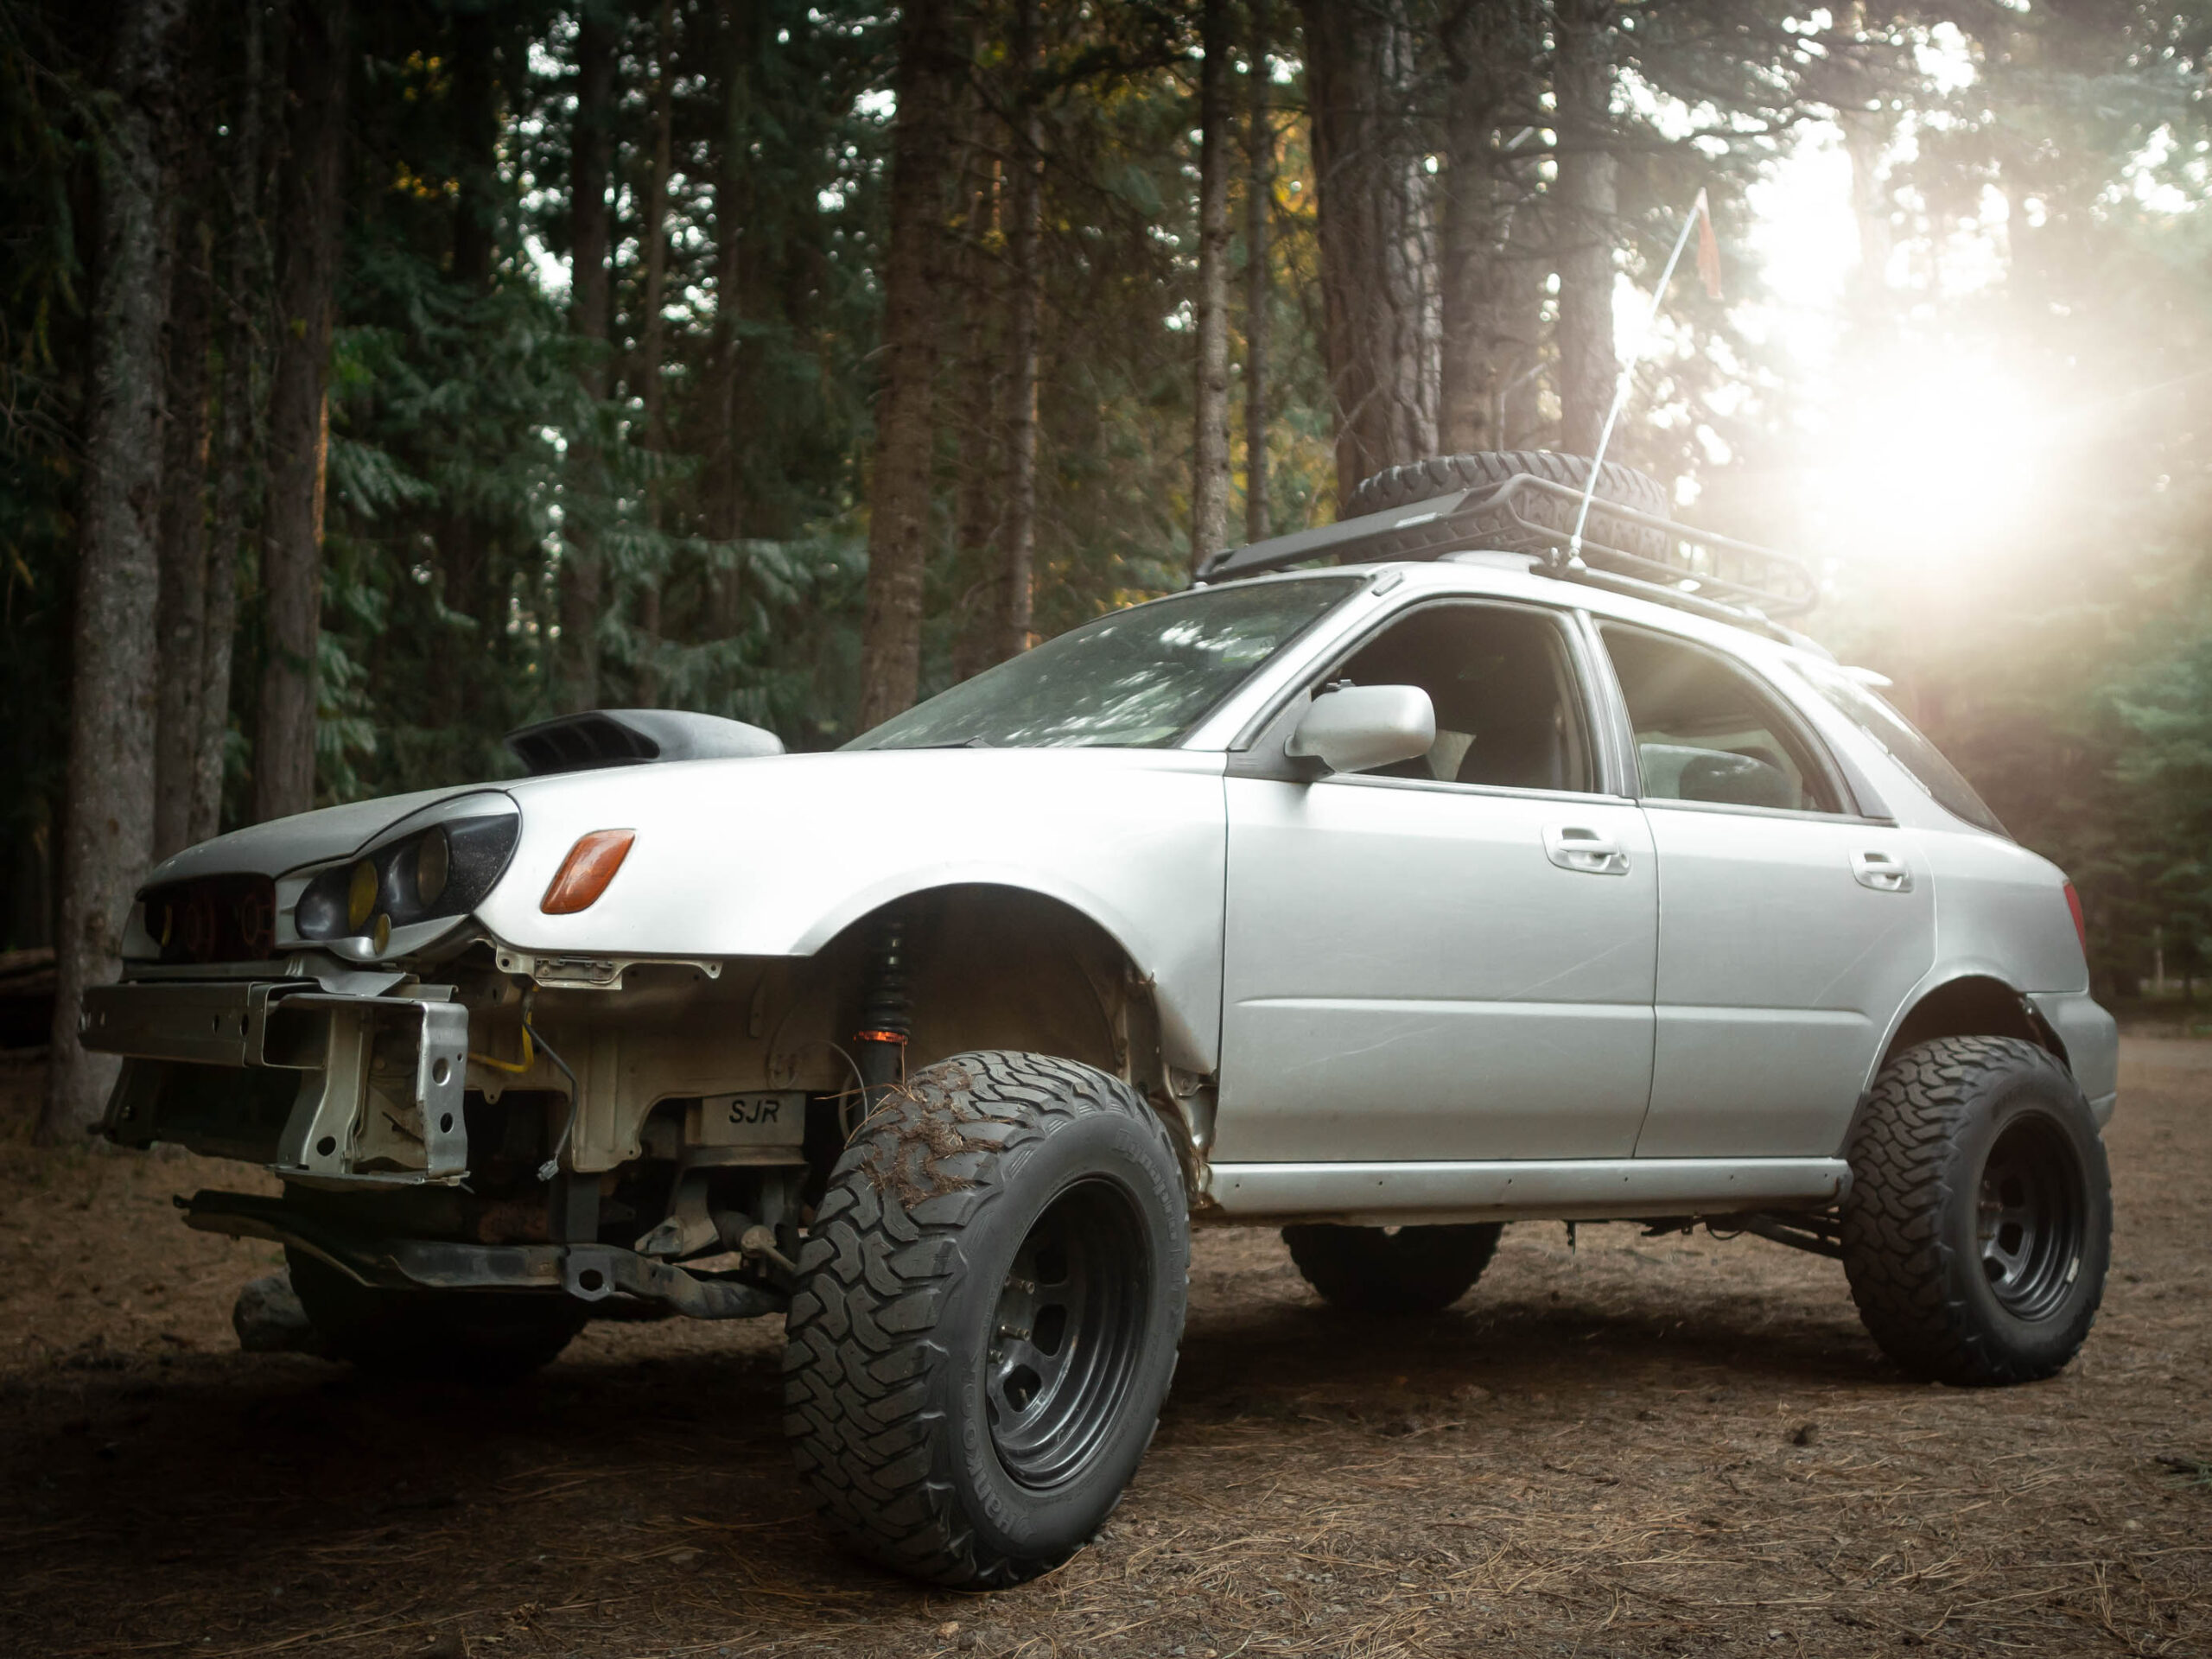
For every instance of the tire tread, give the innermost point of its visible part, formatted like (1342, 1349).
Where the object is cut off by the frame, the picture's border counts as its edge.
(880, 1256)
(1424, 480)
(1895, 1253)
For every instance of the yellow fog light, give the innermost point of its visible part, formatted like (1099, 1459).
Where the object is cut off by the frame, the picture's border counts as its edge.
(381, 937)
(360, 895)
(433, 862)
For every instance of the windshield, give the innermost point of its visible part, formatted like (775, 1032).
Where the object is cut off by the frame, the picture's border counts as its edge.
(1138, 679)
(1902, 742)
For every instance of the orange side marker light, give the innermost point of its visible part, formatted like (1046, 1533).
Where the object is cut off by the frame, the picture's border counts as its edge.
(586, 871)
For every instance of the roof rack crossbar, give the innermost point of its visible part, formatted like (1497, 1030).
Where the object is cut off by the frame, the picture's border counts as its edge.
(1425, 531)
(1713, 575)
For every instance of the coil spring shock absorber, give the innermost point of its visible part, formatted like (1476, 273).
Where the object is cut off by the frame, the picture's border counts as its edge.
(886, 1014)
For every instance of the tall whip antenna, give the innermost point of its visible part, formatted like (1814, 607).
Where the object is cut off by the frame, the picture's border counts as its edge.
(1708, 264)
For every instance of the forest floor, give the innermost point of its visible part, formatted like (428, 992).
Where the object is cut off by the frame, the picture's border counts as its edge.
(1641, 1445)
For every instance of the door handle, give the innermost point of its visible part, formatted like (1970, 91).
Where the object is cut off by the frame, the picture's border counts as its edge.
(1573, 848)
(1883, 872)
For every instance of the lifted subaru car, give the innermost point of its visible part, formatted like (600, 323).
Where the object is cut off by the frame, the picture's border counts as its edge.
(1434, 869)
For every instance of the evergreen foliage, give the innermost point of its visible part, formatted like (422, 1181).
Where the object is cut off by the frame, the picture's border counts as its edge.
(717, 458)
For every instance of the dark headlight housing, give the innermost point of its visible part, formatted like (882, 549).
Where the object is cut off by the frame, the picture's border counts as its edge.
(442, 870)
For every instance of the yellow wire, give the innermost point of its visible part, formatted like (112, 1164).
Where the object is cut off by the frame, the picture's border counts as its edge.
(511, 1067)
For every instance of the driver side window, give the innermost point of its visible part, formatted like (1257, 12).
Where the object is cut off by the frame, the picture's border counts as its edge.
(1509, 707)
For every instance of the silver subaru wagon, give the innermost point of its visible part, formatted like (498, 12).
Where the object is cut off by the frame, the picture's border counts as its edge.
(1434, 869)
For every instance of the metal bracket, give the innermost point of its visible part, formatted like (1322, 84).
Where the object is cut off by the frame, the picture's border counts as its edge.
(368, 1113)
(592, 973)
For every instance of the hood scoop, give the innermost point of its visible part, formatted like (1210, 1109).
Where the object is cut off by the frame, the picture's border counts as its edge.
(632, 737)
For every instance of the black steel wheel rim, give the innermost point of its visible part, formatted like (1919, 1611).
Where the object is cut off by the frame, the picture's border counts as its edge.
(2031, 1218)
(1067, 1334)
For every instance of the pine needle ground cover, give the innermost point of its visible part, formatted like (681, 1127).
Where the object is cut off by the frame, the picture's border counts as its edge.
(1636, 1447)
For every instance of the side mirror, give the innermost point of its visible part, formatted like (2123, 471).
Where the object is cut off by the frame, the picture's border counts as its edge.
(1360, 726)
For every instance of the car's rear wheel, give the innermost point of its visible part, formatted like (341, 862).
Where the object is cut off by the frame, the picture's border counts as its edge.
(989, 1305)
(1978, 1229)
(467, 1336)
(1392, 1269)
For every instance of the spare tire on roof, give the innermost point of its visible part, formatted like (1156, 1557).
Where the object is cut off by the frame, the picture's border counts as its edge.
(1424, 480)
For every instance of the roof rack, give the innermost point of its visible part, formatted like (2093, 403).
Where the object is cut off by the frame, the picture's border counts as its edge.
(1694, 570)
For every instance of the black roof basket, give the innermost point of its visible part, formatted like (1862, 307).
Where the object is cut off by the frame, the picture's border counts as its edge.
(1712, 575)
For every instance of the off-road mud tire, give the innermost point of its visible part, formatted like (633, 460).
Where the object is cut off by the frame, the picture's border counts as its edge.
(1402, 486)
(1392, 1271)
(1913, 1239)
(481, 1336)
(894, 1394)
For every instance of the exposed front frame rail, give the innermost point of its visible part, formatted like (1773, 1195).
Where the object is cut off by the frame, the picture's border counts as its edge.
(589, 1273)
(379, 1102)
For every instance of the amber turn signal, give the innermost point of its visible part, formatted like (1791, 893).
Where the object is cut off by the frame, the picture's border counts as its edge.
(586, 871)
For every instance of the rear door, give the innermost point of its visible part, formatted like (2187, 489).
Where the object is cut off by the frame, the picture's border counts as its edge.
(1791, 928)
(1452, 959)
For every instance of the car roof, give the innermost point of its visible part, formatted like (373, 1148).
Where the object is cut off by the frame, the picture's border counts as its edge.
(1496, 575)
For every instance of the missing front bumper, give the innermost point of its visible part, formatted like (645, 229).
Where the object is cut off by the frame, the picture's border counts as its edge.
(326, 1089)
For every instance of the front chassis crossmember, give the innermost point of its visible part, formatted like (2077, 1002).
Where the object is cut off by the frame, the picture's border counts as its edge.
(590, 1273)
(377, 1098)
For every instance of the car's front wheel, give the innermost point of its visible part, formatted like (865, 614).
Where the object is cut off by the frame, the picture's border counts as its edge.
(1978, 1227)
(989, 1305)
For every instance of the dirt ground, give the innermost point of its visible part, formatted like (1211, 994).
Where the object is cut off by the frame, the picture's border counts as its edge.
(1636, 1446)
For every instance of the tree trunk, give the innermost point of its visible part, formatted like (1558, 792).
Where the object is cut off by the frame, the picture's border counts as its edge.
(1259, 217)
(1210, 450)
(1582, 84)
(741, 47)
(245, 358)
(588, 305)
(1868, 127)
(977, 510)
(107, 829)
(1517, 327)
(1025, 208)
(310, 218)
(1477, 39)
(466, 546)
(183, 599)
(652, 235)
(899, 486)
(1373, 321)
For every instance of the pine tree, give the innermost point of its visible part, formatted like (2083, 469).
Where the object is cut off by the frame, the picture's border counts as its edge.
(309, 213)
(899, 489)
(108, 821)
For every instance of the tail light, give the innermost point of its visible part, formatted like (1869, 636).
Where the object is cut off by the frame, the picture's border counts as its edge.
(2081, 925)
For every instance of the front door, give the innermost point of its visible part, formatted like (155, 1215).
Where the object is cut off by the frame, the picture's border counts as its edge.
(1791, 928)
(1452, 959)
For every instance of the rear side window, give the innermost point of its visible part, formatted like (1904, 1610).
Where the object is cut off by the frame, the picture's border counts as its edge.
(1904, 744)
(1707, 731)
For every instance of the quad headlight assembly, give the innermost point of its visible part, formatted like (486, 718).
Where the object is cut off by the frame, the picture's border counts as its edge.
(409, 887)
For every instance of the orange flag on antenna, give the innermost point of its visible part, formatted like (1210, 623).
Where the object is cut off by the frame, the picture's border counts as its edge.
(1708, 248)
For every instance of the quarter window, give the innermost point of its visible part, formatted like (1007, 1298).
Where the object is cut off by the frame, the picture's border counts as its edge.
(1707, 731)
